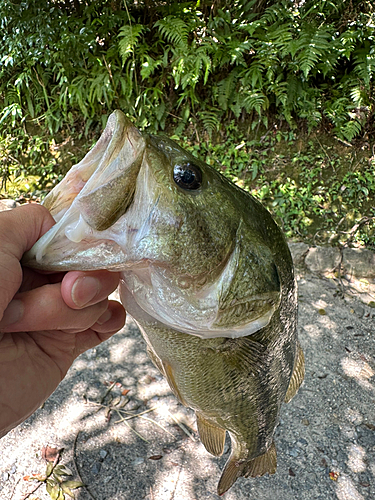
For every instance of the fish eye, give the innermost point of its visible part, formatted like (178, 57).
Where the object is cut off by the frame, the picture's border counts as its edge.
(187, 176)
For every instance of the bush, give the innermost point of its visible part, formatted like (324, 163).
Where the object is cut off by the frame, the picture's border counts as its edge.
(180, 62)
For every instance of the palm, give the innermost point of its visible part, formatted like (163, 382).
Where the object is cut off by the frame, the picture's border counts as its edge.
(38, 346)
(32, 365)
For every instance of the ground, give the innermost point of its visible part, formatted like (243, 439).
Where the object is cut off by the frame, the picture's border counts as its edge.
(325, 440)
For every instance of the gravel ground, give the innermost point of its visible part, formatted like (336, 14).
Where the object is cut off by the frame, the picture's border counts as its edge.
(325, 440)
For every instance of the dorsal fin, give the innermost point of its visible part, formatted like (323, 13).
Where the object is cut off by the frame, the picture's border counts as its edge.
(212, 437)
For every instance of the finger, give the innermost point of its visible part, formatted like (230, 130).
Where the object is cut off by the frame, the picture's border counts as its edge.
(98, 333)
(44, 309)
(34, 279)
(111, 321)
(80, 289)
(21, 227)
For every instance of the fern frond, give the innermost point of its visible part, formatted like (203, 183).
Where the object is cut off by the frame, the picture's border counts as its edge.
(225, 89)
(350, 129)
(314, 44)
(253, 74)
(277, 12)
(256, 101)
(174, 30)
(210, 121)
(364, 64)
(129, 35)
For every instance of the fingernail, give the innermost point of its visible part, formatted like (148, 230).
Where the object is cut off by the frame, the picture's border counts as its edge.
(12, 313)
(105, 317)
(84, 290)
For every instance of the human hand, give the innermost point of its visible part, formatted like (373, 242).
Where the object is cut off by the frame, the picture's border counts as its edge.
(47, 319)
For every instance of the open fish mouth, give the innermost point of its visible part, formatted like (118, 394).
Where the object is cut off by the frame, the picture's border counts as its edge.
(89, 201)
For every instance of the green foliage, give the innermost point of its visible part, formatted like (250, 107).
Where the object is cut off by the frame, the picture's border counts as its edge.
(312, 61)
(318, 193)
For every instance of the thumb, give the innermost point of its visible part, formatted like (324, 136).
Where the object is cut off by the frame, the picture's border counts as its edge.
(20, 228)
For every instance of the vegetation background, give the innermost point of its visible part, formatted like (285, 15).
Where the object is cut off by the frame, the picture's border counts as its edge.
(278, 95)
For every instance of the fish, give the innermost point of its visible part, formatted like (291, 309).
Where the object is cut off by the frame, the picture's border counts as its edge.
(206, 274)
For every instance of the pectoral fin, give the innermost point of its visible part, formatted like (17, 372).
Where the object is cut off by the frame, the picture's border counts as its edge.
(212, 437)
(297, 376)
(169, 375)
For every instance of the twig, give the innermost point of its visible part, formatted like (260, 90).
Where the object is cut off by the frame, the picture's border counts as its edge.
(130, 427)
(327, 155)
(175, 116)
(182, 427)
(344, 142)
(107, 392)
(31, 492)
(76, 465)
(122, 419)
(178, 478)
(54, 463)
(14, 488)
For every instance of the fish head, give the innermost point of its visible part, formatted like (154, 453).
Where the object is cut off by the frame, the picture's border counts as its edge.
(189, 244)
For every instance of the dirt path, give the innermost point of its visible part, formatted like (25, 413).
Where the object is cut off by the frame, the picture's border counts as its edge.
(325, 440)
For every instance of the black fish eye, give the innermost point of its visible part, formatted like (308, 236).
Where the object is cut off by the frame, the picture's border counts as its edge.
(187, 175)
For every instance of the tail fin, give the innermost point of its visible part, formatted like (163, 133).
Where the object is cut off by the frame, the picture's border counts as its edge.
(255, 467)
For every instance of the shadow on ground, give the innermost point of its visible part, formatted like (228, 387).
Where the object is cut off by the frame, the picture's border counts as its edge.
(325, 440)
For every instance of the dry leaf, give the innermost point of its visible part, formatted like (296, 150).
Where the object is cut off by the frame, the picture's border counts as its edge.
(50, 453)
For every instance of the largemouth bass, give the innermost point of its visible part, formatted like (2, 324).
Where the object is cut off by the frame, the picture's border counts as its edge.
(206, 274)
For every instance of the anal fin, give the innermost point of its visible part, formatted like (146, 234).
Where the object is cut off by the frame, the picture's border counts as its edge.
(212, 437)
(256, 467)
(297, 376)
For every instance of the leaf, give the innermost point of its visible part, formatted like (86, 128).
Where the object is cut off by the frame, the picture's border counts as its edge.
(53, 489)
(50, 453)
(49, 469)
(73, 484)
(63, 470)
(67, 490)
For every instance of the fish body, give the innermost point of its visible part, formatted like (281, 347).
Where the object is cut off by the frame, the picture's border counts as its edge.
(206, 274)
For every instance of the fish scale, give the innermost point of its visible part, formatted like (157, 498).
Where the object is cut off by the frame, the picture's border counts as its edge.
(206, 274)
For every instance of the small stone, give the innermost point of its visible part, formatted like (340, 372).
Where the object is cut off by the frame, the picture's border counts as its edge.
(107, 479)
(5, 476)
(294, 452)
(103, 454)
(302, 442)
(359, 311)
(305, 421)
(95, 469)
(13, 469)
(138, 461)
